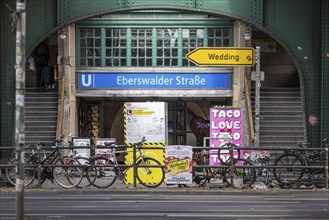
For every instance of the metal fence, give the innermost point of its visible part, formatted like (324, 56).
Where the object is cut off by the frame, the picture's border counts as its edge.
(322, 165)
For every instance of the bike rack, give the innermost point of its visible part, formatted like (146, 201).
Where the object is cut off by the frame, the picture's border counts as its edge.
(231, 166)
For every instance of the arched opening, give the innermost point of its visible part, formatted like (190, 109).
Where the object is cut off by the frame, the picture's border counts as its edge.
(276, 62)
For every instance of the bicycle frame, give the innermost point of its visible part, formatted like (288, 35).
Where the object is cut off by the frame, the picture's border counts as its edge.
(44, 163)
(128, 166)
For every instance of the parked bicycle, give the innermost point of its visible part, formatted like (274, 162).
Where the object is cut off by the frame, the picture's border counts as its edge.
(206, 176)
(259, 158)
(65, 171)
(103, 171)
(243, 176)
(292, 162)
(84, 161)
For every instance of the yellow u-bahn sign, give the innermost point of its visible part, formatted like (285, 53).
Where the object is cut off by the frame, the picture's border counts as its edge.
(222, 56)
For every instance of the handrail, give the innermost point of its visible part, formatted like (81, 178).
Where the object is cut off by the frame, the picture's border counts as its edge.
(249, 109)
(60, 114)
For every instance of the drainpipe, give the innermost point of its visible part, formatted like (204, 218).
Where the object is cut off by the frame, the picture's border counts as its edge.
(257, 96)
(59, 132)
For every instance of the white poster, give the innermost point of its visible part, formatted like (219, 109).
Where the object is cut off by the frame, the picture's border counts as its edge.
(146, 119)
(81, 152)
(178, 164)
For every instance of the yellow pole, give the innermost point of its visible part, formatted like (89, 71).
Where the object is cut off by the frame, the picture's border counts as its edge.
(251, 122)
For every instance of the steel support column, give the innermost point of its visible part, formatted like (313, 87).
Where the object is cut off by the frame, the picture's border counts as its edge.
(325, 70)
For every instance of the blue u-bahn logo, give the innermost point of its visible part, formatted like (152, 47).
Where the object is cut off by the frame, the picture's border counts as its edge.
(86, 80)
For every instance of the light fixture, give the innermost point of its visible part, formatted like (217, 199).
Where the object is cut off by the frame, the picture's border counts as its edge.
(63, 34)
(247, 34)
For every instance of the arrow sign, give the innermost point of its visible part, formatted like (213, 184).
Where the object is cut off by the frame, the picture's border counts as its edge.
(222, 56)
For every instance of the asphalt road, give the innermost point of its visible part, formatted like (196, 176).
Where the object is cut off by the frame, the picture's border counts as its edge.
(174, 204)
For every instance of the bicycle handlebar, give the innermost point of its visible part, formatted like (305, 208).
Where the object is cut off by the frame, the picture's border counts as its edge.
(115, 145)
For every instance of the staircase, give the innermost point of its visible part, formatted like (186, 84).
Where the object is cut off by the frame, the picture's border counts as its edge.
(41, 109)
(282, 117)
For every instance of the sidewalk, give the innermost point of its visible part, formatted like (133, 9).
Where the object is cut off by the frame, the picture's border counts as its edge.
(120, 187)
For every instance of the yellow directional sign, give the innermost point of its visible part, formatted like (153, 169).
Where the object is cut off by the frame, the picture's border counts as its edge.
(222, 56)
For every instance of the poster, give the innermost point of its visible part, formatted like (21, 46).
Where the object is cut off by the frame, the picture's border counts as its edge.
(81, 152)
(226, 124)
(149, 120)
(100, 151)
(178, 164)
(146, 119)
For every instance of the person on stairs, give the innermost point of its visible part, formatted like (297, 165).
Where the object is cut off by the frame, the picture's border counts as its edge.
(41, 59)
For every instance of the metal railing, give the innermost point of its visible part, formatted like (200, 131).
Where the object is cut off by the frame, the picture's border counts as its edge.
(230, 167)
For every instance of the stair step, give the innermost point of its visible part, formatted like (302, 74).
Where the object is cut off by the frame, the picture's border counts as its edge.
(281, 137)
(277, 89)
(278, 99)
(45, 100)
(278, 102)
(41, 123)
(42, 113)
(280, 142)
(277, 93)
(39, 139)
(279, 108)
(38, 117)
(41, 109)
(32, 129)
(43, 133)
(283, 114)
(281, 121)
(280, 117)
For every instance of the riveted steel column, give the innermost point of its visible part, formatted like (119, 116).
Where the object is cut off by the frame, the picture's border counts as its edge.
(7, 82)
(325, 70)
(312, 73)
(63, 11)
(256, 11)
(269, 14)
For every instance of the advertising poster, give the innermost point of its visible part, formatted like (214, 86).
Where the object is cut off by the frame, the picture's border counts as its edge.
(100, 151)
(146, 119)
(81, 152)
(178, 164)
(226, 124)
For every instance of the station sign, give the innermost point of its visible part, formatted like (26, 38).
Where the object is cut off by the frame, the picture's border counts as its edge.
(222, 56)
(161, 80)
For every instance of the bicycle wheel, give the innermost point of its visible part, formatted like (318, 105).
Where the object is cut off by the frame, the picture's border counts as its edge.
(150, 177)
(241, 177)
(84, 161)
(29, 172)
(224, 154)
(217, 177)
(100, 174)
(200, 177)
(288, 175)
(67, 177)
